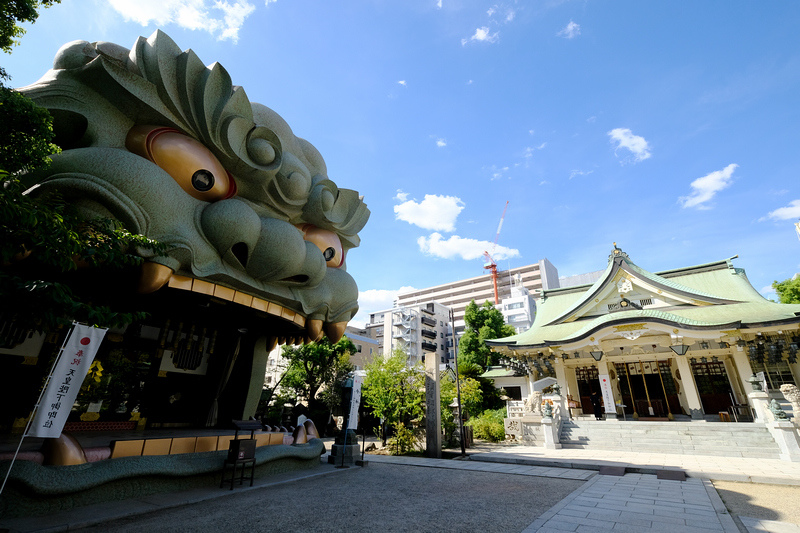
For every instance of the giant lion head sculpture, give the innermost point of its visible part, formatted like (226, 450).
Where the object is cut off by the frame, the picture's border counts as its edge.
(169, 147)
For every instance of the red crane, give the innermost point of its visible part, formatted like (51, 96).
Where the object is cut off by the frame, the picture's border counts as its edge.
(491, 265)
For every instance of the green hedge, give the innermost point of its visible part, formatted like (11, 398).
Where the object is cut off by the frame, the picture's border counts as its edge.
(489, 425)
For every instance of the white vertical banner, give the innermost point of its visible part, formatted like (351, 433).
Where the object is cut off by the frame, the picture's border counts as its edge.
(65, 381)
(358, 381)
(608, 394)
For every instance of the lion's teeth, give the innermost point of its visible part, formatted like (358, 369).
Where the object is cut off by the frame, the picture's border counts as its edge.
(335, 330)
(152, 277)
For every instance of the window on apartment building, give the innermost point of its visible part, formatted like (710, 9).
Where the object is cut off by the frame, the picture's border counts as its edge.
(271, 361)
(269, 379)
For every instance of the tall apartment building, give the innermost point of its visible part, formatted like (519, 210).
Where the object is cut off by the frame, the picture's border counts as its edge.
(457, 294)
(519, 309)
(420, 331)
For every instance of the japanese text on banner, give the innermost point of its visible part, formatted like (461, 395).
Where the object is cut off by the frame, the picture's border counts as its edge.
(65, 381)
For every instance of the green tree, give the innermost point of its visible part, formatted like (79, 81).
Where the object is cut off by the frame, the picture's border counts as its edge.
(315, 372)
(42, 239)
(12, 13)
(482, 323)
(394, 391)
(42, 243)
(788, 290)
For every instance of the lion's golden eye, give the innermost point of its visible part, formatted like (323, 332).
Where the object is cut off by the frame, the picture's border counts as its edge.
(190, 164)
(203, 180)
(328, 243)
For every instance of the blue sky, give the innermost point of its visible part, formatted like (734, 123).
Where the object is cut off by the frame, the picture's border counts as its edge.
(671, 128)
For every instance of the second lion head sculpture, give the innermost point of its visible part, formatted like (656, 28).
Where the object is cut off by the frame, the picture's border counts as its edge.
(169, 147)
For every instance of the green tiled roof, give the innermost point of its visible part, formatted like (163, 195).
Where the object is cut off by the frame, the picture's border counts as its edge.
(741, 306)
(498, 372)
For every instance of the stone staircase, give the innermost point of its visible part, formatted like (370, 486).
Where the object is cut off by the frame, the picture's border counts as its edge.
(727, 439)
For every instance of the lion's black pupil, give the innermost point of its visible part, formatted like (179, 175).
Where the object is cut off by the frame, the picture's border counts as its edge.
(203, 180)
(328, 254)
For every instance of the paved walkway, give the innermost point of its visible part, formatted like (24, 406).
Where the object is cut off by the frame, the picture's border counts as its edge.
(771, 471)
(637, 501)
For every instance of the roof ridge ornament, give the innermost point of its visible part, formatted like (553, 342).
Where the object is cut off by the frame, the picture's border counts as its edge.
(617, 252)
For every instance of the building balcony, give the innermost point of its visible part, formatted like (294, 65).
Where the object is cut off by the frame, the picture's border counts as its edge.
(428, 321)
(428, 346)
(428, 334)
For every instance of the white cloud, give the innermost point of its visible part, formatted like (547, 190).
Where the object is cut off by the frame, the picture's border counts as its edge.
(439, 4)
(579, 173)
(373, 300)
(436, 213)
(441, 143)
(789, 212)
(467, 249)
(220, 18)
(570, 31)
(490, 11)
(626, 139)
(510, 15)
(401, 196)
(403, 83)
(482, 35)
(704, 189)
(498, 173)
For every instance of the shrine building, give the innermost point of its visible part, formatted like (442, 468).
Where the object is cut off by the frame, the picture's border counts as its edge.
(680, 343)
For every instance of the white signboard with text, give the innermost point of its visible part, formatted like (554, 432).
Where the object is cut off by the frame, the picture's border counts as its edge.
(608, 394)
(358, 381)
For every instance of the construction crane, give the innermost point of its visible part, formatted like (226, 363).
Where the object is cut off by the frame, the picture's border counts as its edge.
(491, 264)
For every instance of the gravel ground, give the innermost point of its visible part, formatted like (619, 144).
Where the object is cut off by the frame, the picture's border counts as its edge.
(765, 502)
(379, 497)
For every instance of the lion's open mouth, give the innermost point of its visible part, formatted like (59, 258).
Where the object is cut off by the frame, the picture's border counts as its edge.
(298, 330)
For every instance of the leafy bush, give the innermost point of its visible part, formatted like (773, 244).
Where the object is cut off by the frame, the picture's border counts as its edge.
(405, 440)
(489, 425)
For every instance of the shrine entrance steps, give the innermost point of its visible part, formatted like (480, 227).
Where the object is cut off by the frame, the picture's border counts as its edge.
(727, 439)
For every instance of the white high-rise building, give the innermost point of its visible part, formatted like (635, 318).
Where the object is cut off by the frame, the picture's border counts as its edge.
(420, 331)
(519, 309)
(457, 294)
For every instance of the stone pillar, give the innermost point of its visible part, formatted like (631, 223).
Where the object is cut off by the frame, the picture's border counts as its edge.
(561, 376)
(433, 414)
(572, 385)
(345, 449)
(551, 437)
(742, 362)
(258, 368)
(690, 388)
(785, 434)
(759, 401)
